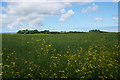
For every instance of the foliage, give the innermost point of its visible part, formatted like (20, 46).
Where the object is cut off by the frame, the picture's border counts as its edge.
(27, 31)
(55, 32)
(45, 32)
(96, 31)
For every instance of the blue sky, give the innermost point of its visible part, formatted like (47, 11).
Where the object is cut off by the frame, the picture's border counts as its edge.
(97, 15)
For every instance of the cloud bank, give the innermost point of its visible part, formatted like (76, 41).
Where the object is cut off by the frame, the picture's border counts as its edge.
(32, 14)
(60, 0)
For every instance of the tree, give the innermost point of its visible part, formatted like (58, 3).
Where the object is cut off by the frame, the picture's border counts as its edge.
(19, 32)
(36, 31)
(95, 30)
(26, 31)
(46, 31)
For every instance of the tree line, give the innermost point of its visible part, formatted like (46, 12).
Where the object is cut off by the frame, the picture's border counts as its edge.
(51, 32)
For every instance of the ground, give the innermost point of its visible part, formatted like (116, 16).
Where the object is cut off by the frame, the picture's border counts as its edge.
(83, 55)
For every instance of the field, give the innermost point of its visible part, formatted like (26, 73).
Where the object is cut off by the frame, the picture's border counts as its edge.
(83, 55)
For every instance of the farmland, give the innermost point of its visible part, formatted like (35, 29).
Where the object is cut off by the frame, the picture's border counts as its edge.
(83, 55)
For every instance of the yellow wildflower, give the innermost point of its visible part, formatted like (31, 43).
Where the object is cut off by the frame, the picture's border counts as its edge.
(61, 71)
(77, 70)
(50, 45)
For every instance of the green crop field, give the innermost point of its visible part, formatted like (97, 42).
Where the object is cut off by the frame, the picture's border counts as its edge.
(83, 55)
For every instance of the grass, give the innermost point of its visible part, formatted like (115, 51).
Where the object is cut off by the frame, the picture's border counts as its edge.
(84, 55)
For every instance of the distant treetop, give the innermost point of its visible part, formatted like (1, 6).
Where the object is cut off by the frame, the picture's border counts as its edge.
(51, 32)
(95, 30)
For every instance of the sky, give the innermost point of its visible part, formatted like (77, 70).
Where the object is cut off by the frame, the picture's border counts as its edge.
(59, 16)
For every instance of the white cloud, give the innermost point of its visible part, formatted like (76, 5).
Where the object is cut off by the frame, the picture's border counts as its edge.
(59, 0)
(94, 7)
(10, 27)
(99, 19)
(67, 15)
(31, 13)
(47, 0)
(115, 1)
(62, 11)
(22, 29)
(115, 18)
(83, 2)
